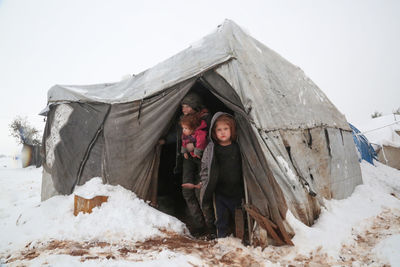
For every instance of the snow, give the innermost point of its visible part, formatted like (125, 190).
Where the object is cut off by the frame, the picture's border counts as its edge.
(367, 201)
(372, 212)
(389, 249)
(381, 130)
(53, 219)
(61, 116)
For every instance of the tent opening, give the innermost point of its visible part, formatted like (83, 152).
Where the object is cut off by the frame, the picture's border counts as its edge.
(169, 191)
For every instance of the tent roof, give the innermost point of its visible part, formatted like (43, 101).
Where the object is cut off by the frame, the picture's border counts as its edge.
(274, 92)
(201, 56)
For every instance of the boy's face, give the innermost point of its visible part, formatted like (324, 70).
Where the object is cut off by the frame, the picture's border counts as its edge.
(223, 133)
(186, 130)
(186, 109)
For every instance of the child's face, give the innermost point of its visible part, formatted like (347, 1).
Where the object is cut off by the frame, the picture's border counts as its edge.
(186, 130)
(186, 109)
(223, 133)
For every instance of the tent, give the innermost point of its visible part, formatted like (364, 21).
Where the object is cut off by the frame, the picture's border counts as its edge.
(30, 155)
(384, 133)
(295, 144)
(364, 147)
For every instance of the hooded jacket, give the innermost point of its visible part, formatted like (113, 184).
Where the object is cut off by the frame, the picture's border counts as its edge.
(209, 168)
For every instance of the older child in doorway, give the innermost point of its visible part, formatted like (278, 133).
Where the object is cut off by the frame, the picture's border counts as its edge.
(221, 172)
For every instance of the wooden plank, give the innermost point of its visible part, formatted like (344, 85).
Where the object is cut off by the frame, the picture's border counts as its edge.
(264, 222)
(86, 205)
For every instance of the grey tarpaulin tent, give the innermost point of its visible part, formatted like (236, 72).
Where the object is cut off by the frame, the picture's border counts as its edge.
(297, 147)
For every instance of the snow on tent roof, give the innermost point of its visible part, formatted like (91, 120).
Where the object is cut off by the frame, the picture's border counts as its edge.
(278, 94)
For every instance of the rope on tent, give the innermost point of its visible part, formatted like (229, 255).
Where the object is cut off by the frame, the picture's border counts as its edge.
(396, 122)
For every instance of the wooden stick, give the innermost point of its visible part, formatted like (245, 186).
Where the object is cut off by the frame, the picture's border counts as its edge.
(264, 222)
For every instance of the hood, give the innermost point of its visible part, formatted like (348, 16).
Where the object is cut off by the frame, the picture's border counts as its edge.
(193, 100)
(213, 120)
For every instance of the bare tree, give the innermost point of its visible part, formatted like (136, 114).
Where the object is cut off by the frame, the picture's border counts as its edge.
(24, 132)
(376, 114)
(396, 111)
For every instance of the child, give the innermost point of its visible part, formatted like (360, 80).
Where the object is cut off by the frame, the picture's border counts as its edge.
(194, 136)
(194, 141)
(221, 172)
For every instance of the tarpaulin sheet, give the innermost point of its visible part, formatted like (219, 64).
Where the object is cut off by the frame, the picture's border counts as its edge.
(277, 93)
(117, 142)
(70, 129)
(365, 149)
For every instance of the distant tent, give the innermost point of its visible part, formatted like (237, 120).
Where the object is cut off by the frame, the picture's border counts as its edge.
(295, 144)
(384, 133)
(365, 150)
(30, 156)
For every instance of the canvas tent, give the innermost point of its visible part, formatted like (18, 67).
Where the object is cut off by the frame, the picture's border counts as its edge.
(297, 147)
(30, 155)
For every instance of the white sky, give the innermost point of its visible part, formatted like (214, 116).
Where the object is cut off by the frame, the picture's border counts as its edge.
(350, 49)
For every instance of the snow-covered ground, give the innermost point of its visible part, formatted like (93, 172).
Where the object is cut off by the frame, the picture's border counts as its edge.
(363, 229)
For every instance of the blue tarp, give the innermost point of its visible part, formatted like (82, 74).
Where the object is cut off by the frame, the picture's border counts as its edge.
(365, 149)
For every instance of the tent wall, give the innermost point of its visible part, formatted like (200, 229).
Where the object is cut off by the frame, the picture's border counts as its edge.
(320, 161)
(30, 155)
(117, 142)
(390, 156)
(48, 190)
(69, 132)
(93, 166)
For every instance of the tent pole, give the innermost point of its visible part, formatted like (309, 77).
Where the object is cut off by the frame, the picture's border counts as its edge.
(246, 195)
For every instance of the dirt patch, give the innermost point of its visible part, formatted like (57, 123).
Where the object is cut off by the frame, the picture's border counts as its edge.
(66, 247)
(384, 225)
(140, 251)
(356, 252)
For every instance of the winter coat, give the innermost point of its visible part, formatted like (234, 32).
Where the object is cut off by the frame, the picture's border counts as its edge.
(209, 167)
(204, 115)
(198, 138)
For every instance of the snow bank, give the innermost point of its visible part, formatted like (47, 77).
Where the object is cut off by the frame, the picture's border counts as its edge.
(339, 217)
(124, 217)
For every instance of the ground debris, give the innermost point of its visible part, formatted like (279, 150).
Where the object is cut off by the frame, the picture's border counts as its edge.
(222, 253)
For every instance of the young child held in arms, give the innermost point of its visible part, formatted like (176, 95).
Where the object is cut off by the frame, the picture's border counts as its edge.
(194, 141)
(221, 172)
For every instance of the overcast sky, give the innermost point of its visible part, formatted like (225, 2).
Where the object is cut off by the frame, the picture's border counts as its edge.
(350, 49)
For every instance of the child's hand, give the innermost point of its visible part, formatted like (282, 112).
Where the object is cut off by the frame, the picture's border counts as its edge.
(190, 147)
(188, 185)
(186, 155)
(198, 186)
(161, 142)
(191, 186)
